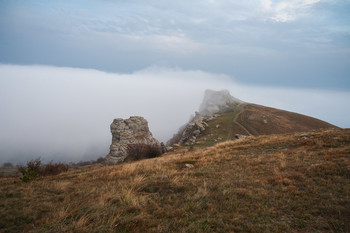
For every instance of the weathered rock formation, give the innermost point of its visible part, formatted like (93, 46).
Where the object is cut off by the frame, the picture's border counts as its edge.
(216, 101)
(213, 102)
(130, 131)
(193, 129)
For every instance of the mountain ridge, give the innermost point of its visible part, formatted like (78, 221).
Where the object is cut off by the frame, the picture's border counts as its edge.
(223, 117)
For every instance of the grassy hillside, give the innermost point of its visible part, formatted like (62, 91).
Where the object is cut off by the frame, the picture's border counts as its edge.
(254, 120)
(277, 183)
(260, 120)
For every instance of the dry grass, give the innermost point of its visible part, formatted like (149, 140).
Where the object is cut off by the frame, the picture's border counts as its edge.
(260, 120)
(251, 119)
(276, 183)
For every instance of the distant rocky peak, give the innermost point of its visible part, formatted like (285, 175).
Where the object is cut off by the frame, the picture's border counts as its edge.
(216, 101)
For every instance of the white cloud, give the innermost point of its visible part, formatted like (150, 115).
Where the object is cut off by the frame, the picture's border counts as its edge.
(287, 10)
(65, 113)
(176, 44)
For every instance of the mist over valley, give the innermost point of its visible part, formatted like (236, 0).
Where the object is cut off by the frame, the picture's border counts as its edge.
(63, 114)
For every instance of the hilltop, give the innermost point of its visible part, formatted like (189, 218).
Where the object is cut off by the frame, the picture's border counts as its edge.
(222, 117)
(273, 183)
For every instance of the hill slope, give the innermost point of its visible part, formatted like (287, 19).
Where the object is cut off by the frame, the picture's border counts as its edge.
(222, 117)
(254, 120)
(259, 120)
(272, 183)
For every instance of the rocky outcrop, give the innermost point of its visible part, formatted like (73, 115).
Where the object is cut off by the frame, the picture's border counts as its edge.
(193, 129)
(216, 101)
(124, 132)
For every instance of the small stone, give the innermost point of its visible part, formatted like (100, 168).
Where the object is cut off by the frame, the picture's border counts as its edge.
(196, 132)
(169, 148)
(240, 136)
(200, 126)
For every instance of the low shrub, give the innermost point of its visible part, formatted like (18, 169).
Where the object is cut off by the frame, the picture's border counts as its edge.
(53, 169)
(7, 165)
(35, 165)
(35, 169)
(31, 171)
(139, 151)
(99, 160)
(153, 151)
(28, 175)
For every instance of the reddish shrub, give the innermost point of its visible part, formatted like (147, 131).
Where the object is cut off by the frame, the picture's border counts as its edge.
(53, 169)
(139, 151)
(34, 169)
(33, 165)
(7, 165)
(100, 160)
(153, 151)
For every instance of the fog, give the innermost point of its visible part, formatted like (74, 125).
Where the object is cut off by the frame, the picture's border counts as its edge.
(63, 114)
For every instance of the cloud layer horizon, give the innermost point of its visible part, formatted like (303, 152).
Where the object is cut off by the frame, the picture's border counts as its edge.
(63, 114)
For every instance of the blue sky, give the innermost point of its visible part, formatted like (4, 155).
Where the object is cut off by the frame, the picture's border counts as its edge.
(68, 68)
(299, 43)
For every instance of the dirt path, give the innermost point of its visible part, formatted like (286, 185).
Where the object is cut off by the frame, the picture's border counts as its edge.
(240, 110)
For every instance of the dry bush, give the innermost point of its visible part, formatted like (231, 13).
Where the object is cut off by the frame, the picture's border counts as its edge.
(7, 165)
(35, 169)
(154, 151)
(33, 165)
(100, 160)
(32, 170)
(139, 151)
(53, 169)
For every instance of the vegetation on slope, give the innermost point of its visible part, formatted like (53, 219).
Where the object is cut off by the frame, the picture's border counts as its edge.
(220, 129)
(277, 183)
(251, 119)
(261, 120)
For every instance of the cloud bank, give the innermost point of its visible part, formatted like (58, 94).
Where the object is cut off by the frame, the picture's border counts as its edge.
(291, 42)
(63, 114)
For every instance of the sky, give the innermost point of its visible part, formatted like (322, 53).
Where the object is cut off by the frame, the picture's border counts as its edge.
(301, 43)
(67, 68)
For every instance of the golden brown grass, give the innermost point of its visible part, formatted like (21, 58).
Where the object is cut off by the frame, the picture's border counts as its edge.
(276, 183)
(252, 119)
(260, 120)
